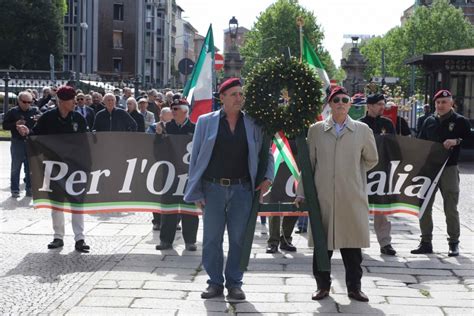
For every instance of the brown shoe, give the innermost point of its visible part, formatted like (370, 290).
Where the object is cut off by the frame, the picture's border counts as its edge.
(320, 294)
(358, 295)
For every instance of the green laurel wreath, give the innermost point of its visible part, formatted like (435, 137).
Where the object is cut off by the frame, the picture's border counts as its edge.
(277, 79)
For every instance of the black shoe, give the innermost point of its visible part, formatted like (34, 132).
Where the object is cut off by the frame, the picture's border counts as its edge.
(163, 246)
(320, 294)
(453, 249)
(81, 246)
(236, 293)
(156, 226)
(288, 246)
(56, 243)
(212, 291)
(301, 231)
(15, 195)
(272, 249)
(358, 295)
(190, 247)
(387, 250)
(423, 247)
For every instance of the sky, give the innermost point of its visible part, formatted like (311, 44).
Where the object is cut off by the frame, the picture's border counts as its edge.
(336, 17)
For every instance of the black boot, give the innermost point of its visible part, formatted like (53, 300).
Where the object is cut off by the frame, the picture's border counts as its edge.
(423, 248)
(453, 249)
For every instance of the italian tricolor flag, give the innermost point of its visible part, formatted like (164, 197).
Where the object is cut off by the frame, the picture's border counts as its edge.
(312, 60)
(198, 90)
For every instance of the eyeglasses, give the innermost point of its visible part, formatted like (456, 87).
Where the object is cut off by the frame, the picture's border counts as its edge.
(344, 100)
(27, 102)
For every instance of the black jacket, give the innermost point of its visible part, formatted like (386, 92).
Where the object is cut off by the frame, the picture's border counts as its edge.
(454, 127)
(379, 125)
(90, 115)
(15, 114)
(140, 120)
(117, 121)
(51, 122)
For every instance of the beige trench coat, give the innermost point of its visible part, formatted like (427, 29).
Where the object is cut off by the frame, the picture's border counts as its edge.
(340, 165)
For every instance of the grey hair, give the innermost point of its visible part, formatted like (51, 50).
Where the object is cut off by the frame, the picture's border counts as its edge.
(23, 93)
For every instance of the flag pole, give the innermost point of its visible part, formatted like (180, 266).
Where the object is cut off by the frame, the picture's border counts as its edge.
(300, 23)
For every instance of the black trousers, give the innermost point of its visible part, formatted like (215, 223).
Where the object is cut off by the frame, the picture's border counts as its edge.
(156, 219)
(352, 258)
(169, 222)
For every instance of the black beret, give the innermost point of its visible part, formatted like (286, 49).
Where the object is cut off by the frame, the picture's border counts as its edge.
(66, 93)
(374, 98)
(335, 91)
(229, 83)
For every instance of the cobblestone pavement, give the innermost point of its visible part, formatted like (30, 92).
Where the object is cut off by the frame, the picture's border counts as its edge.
(125, 275)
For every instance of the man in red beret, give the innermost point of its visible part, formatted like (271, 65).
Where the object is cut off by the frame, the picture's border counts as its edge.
(222, 182)
(450, 129)
(62, 120)
(341, 151)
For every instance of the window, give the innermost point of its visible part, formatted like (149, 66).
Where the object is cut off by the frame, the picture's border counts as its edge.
(117, 64)
(118, 39)
(118, 11)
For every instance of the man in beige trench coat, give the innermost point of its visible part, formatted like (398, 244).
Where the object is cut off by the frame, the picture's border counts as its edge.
(341, 152)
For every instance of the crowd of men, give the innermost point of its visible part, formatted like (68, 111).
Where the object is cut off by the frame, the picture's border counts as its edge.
(222, 177)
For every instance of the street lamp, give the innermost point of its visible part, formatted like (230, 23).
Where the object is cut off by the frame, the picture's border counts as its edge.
(233, 29)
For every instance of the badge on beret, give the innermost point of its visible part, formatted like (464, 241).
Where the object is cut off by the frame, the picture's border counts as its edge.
(451, 126)
(75, 126)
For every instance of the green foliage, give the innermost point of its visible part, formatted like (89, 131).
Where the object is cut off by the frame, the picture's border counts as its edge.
(440, 27)
(283, 94)
(276, 29)
(30, 31)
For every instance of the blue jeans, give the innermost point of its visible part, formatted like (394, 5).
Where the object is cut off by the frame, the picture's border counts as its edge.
(231, 206)
(19, 157)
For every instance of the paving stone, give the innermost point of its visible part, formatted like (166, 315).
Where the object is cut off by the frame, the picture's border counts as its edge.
(138, 293)
(409, 271)
(188, 305)
(104, 301)
(429, 302)
(388, 309)
(116, 311)
(449, 311)
(448, 288)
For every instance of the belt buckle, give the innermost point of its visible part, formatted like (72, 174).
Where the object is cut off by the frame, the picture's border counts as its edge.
(224, 182)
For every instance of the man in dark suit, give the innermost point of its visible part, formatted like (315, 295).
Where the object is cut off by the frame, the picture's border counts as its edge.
(86, 112)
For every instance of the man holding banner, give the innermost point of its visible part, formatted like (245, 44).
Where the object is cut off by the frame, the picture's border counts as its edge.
(222, 173)
(62, 120)
(450, 129)
(341, 152)
(380, 126)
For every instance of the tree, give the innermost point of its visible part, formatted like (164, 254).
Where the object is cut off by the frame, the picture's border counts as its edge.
(30, 31)
(276, 29)
(440, 27)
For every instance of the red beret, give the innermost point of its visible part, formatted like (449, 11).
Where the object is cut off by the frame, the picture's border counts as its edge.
(337, 90)
(66, 93)
(229, 83)
(181, 102)
(442, 94)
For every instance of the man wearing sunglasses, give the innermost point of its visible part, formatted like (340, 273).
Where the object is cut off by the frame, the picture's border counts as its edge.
(380, 126)
(179, 125)
(342, 151)
(87, 112)
(23, 114)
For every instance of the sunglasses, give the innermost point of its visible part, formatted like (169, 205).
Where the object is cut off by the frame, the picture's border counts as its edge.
(27, 102)
(176, 108)
(344, 100)
(80, 99)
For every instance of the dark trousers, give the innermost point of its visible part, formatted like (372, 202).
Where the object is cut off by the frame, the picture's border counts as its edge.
(156, 219)
(169, 222)
(287, 226)
(19, 158)
(352, 258)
